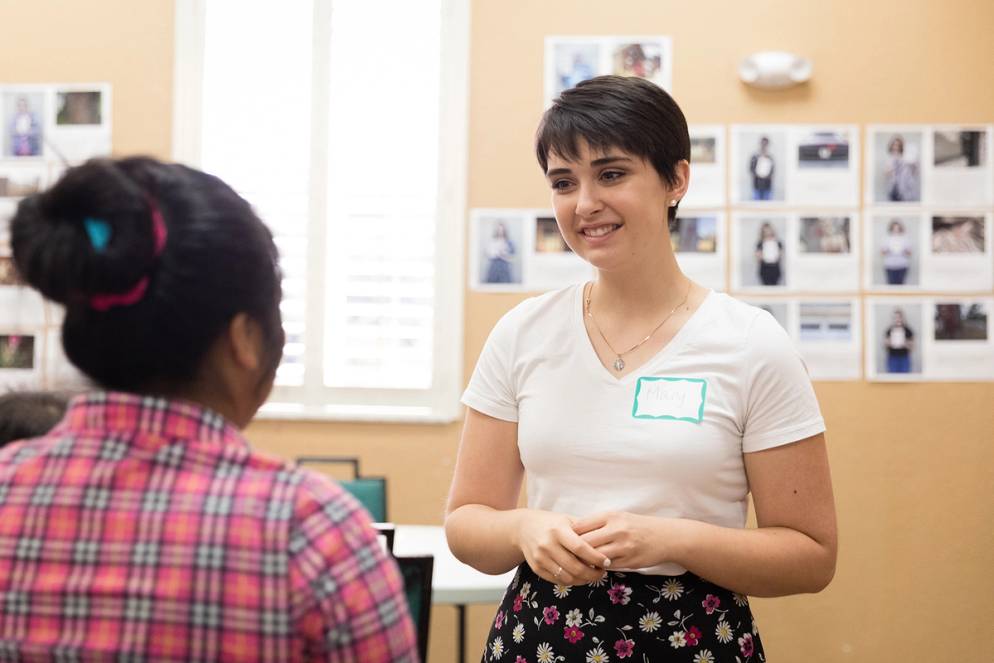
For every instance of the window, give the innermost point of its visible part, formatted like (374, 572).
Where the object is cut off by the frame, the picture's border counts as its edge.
(328, 116)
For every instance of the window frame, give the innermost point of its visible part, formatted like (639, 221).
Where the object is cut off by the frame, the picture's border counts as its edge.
(313, 400)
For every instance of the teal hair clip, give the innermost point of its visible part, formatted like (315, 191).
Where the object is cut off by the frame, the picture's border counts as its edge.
(99, 232)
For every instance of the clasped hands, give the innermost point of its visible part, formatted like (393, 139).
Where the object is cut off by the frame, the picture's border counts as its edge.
(576, 551)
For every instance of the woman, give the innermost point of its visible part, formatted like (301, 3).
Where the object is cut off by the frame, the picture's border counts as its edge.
(899, 340)
(500, 253)
(769, 254)
(896, 253)
(901, 173)
(143, 526)
(642, 408)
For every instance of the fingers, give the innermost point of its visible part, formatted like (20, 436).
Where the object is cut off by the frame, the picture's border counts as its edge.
(583, 525)
(586, 552)
(565, 569)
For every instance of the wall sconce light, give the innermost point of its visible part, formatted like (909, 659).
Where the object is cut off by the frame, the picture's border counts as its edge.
(774, 70)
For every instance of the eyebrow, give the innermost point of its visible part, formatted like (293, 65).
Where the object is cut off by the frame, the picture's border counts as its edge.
(603, 161)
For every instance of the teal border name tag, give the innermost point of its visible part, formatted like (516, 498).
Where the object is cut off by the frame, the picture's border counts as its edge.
(648, 387)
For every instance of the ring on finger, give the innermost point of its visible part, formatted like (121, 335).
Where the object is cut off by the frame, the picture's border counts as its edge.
(558, 571)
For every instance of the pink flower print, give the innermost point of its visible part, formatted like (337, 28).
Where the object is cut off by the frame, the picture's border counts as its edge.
(624, 648)
(521, 659)
(500, 620)
(693, 636)
(517, 603)
(745, 645)
(710, 603)
(550, 614)
(573, 634)
(620, 594)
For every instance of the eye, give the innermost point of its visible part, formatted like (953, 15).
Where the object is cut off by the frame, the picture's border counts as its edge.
(561, 185)
(612, 175)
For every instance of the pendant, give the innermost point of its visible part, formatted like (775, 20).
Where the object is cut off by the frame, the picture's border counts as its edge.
(619, 364)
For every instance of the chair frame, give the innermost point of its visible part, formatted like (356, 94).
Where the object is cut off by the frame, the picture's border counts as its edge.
(426, 564)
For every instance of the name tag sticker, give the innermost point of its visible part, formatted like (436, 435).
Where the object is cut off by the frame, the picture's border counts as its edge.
(676, 399)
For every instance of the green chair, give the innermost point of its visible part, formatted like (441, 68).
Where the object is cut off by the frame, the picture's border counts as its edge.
(370, 491)
(416, 571)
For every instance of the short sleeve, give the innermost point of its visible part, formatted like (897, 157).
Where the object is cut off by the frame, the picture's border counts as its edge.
(491, 388)
(780, 402)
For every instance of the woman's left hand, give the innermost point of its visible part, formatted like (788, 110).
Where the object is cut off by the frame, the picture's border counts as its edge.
(629, 540)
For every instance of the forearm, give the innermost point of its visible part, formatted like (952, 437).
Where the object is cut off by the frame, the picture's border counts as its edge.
(485, 538)
(768, 561)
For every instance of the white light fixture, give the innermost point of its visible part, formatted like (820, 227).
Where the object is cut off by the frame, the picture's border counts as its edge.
(773, 70)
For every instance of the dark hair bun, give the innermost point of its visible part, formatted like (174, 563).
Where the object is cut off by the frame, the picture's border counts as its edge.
(54, 252)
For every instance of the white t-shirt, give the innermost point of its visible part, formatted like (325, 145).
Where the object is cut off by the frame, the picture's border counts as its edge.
(665, 440)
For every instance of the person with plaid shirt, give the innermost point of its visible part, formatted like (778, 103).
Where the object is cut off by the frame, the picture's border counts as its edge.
(143, 526)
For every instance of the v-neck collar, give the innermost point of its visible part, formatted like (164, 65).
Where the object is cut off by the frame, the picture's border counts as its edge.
(593, 362)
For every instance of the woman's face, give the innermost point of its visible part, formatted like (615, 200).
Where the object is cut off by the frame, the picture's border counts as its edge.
(898, 318)
(896, 229)
(611, 206)
(896, 147)
(768, 232)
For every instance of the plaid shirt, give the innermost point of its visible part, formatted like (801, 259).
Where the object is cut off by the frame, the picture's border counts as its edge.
(147, 529)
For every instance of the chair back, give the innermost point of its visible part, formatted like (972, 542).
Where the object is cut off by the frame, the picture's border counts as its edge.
(417, 571)
(371, 493)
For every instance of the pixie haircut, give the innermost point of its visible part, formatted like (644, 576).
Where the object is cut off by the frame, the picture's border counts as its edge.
(627, 113)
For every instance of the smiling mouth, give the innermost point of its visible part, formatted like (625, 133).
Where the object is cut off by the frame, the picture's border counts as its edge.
(600, 231)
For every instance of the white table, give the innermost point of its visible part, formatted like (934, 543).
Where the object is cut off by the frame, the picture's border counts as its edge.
(452, 582)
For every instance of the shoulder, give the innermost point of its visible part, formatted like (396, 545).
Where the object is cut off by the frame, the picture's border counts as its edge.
(744, 329)
(538, 314)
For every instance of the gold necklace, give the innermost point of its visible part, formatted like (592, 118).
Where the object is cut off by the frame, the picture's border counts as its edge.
(619, 362)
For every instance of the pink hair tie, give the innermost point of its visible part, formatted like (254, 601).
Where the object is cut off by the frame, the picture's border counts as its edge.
(106, 301)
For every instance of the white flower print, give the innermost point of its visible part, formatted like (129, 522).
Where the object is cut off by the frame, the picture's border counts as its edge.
(574, 617)
(672, 590)
(600, 582)
(518, 634)
(678, 640)
(561, 591)
(723, 632)
(597, 655)
(755, 629)
(704, 656)
(740, 600)
(496, 648)
(544, 653)
(526, 588)
(650, 621)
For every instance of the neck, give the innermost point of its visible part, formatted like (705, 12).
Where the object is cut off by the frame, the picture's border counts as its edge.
(641, 289)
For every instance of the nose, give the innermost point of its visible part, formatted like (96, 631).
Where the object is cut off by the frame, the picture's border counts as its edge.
(588, 201)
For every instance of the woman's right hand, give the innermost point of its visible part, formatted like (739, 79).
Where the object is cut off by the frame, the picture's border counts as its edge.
(555, 552)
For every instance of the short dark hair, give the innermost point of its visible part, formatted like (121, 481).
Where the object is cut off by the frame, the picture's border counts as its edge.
(629, 113)
(218, 260)
(27, 414)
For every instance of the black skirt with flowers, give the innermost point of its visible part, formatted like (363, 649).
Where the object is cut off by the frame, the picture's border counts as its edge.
(625, 616)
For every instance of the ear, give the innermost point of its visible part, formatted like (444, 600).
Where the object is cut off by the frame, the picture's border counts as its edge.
(245, 339)
(681, 180)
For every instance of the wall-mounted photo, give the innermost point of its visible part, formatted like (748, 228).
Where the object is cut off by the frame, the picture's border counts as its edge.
(825, 322)
(961, 322)
(17, 352)
(959, 149)
(823, 149)
(78, 107)
(646, 59)
(825, 234)
(762, 251)
(23, 123)
(707, 159)
(760, 164)
(15, 183)
(958, 234)
(568, 62)
(961, 173)
(702, 149)
(694, 234)
(499, 242)
(896, 171)
(897, 338)
(894, 250)
(548, 239)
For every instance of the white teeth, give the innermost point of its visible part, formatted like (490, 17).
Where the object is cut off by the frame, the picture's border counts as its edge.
(600, 231)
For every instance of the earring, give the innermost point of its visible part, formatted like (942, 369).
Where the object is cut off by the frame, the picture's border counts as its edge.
(673, 203)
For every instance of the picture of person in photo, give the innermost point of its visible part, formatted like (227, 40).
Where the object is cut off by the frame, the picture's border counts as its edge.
(957, 234)
(960, 322)
(761, 168)
(17, 352)
(78, 108)
(642, 60)
(896, 252)
(694, 234)
(574, 63)
(702, 149)
(499, 251)
(769, 255)
(8, 273)
(24, 129)
(901, 172)
(548, 239)
(959, 149)
(899, 341)
(825, 234)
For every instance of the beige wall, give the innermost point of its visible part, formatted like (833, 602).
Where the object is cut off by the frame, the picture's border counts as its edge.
(913, 464)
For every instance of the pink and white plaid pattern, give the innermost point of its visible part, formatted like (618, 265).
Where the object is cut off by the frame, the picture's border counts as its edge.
(147, 529)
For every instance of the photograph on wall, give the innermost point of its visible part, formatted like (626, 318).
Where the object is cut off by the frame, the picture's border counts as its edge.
(959, 345)
(707, 166)
(78, 107)
(957, 321)
(570, 60)
(826, 258)
(894, 168)
(23, 122)
(551, 264)
(497, 240)
(697, 239)
(645, 57)
(7, 209)
(893, 250)
(959, 255)
(759, 257)
(828, 337)
(759, 164)
(81, 126)
(20, 179)
(20, 365)
(824, 170)
(894, 339)
(961, 167)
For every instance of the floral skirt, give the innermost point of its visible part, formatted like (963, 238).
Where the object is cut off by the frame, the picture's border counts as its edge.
(624, 616)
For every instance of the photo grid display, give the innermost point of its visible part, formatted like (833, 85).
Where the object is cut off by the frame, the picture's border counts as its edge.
(47, 128)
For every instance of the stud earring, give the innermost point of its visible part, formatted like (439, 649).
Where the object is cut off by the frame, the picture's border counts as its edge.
(673, 203)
